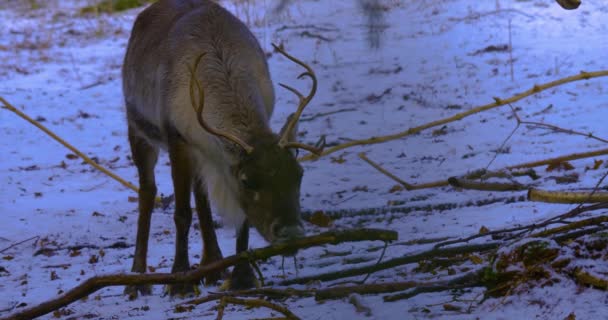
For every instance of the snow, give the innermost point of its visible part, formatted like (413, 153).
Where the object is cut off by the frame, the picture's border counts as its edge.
(64, 68)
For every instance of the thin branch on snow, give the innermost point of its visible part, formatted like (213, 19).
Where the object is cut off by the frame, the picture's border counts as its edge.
(570, 197)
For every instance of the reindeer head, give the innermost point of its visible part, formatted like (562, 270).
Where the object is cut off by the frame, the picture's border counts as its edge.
(268, 173)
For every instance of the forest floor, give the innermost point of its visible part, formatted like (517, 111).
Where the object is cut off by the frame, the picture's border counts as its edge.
(435, 58)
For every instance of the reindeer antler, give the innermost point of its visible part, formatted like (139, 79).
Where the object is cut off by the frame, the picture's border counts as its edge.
(303, 102)
(199, 110)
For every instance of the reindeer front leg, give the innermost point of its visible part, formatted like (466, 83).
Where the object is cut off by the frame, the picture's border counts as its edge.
(242, 274)
(181, 173)
(211, 250)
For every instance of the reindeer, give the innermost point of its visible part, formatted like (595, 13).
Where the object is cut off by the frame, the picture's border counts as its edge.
(196, 83)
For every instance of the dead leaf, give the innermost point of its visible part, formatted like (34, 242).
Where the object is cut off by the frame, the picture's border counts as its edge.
(596, 165)
(483, 230)
(559, 166)
(93, 259)
(54, 275)
(8, 258)
(451, 307)
(151, 269)
(475, 259)
(571, 316)
(71, 156)
(395, 188)
(132, 199)
(74, 253)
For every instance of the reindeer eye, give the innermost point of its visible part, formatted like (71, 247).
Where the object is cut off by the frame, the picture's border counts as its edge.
(246, 182)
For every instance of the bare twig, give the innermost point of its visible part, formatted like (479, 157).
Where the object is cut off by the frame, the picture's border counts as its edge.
(88, 160)
(486, 186)
(20, 242)
(589, 279)
(425, 255)
(571, 226)
(566, 196)
(258, 303)
(443, 183)
(568, 157)
(323, 114)
(459, 116)
(406, 185)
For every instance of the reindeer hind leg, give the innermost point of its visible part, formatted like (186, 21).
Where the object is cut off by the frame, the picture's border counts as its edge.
(145, 156)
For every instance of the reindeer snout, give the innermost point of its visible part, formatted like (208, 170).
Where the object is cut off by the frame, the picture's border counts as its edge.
(286, 233)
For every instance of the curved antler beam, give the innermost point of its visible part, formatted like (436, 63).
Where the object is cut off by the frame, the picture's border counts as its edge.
(199, 110)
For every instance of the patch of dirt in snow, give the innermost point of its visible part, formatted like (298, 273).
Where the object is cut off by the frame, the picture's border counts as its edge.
(436, 58)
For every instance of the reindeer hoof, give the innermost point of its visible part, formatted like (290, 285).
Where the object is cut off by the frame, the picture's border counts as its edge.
(133, 291)
(182, 290)
(242, 278)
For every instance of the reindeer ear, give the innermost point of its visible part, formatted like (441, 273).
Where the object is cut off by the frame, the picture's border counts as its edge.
(291, 136)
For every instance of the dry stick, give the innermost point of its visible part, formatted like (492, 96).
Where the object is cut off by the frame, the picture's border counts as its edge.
(95, 283)
(570, 197)
(502, 145)
(471, 279)
(443, 183)
(579, 209)
(20, 242)
(571, 226)
(563, 130)
(258, 303)
(527, 228)
(589, 279)
(568, 157)
(548, 196)
(406, 185)
(459, 116)
(485, 186)
(467, 184)
(429, 254)
(266, 292)
(88, 160)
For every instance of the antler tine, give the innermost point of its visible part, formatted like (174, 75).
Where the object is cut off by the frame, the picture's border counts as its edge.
(199, 110)
(298, 145)
(303, 100)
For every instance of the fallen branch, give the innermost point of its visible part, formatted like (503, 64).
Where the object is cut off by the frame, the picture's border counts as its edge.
(569, 157)
(406, 185)
(482, 186)
(20, 242)
(471, 279)
(589, 279)
(571, 226)
(570, 197)
(527, 228)
(459, 116)
(388, 264)
(485, 186)
(254, 303)
(51, 134)
(95, 283)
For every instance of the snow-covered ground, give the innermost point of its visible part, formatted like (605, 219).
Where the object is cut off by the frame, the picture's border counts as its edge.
(63, 69)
